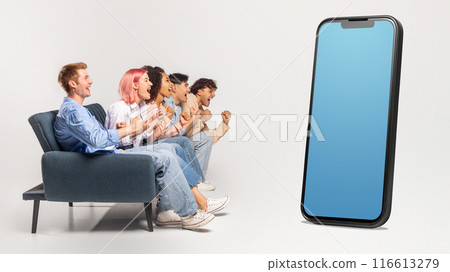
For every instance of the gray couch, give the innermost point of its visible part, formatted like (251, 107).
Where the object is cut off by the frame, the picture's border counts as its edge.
(77, 177)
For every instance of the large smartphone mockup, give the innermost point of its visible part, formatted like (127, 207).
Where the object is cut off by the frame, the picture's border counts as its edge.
(348, 173)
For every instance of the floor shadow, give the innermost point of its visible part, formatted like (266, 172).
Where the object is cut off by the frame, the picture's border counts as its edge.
(120, 215)
(220, 214)
(201, 230)
(123, 216)
(343, 227)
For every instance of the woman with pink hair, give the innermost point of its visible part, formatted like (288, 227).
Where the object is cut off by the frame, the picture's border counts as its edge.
(134, 87)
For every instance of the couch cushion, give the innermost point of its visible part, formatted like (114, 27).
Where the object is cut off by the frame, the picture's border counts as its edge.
(98, 112)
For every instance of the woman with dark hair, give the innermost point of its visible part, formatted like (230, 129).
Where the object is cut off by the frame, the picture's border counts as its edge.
(156, 107)
(161, 88)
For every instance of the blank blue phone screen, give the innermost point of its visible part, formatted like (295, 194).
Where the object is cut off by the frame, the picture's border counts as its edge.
(345, 173)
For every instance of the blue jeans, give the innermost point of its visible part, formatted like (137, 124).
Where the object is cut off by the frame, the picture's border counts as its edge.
(185, 143)
(192, 177)
(202, 143)
(175, 192)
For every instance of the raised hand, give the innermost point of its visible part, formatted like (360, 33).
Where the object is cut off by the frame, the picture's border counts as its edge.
(121, 125)
(206, 112)
(226, 115)
(138, 125)
(194, 111)
(169, 112)
(206, 115)
(184, 118)
(152, 123)
(162, 110)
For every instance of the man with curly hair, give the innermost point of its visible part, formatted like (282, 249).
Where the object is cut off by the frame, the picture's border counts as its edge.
(202, 91)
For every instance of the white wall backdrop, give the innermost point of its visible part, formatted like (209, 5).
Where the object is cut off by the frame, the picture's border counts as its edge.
(260, 53)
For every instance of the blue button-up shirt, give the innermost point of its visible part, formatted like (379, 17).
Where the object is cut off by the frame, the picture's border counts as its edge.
(177, 109)
(77, 130)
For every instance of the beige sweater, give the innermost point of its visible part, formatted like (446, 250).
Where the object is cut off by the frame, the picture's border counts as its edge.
(200, 125)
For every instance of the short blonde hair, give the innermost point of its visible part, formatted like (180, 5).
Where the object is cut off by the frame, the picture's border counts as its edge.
(70, 72)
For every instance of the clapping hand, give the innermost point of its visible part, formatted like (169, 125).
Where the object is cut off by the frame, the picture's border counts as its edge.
(121, 125)
(138, 125)
(169, 112)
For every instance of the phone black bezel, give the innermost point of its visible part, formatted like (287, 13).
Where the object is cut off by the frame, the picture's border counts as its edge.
(391, 128)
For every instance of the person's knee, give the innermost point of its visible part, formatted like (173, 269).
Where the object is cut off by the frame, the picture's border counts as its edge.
(208, 139)
(164, 146)
(183, 141)
(165, 157)
(202, 140)
(177, 149)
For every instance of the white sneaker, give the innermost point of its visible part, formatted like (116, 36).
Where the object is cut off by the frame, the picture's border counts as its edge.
(217, 204)
(168, 218)
(196, 220)
(205, 186)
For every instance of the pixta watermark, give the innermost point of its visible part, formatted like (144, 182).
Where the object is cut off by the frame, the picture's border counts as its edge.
(245, 127)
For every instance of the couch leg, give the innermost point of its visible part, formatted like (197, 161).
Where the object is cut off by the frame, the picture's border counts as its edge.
(35, 215)
(70, 204)
(148, 215)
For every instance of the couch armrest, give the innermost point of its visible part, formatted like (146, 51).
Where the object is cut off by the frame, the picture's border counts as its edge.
(78, 177)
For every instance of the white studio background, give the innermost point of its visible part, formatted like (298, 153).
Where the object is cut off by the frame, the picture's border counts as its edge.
(261, 54)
